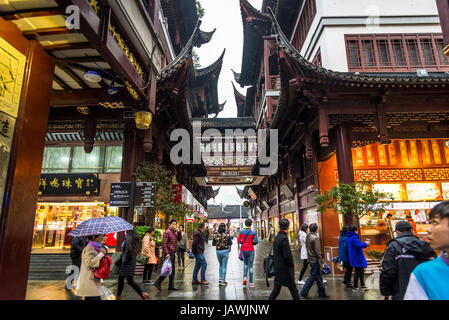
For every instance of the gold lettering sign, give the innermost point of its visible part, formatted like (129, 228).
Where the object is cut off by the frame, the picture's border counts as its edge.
(12, 70)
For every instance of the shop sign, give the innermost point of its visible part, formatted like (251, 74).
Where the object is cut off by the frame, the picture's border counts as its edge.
(69, 184)
(423, 191)
(411, 205)
(445, 189)
(7, 125)
(396, 190)
(143, 194)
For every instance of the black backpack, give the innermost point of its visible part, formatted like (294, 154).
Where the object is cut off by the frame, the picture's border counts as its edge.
(268, 266)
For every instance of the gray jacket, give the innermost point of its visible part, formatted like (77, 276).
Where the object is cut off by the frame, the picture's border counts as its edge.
(183, 242)
(313, 248)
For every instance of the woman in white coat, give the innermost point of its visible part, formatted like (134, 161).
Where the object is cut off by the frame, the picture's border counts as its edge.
(305, 262)
(88, 286)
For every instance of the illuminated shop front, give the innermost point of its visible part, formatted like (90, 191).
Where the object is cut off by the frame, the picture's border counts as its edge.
(414, 172)
(54, 221)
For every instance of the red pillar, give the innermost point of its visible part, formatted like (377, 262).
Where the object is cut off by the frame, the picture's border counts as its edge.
(344, 163)
(24, 171)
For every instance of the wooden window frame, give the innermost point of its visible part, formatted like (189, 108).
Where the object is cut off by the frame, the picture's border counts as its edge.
(393, 67)
(307, 16)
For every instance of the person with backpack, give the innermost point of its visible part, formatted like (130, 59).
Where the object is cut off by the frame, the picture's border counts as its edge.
(357, 258)
(343, 256)
(248, 239)
(430, 280)
(402, 255)
(223, 242)
(131, 248)
(316, 264)
(88, 285)
(305, 263)
(284, 266)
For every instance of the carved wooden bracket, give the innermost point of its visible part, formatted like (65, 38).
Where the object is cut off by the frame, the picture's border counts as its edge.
(324, 127)
(90, 131)
(148, 140)
(309, 146)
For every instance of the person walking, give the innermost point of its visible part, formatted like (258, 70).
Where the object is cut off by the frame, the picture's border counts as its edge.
(149, 251)
(401, 257)
(302, 241)
(284, 266)
(182, 247)
(343, 256)
(316, 264)
(88, 286)
(248, 239)
(76, 251)
(206, 235)
(223, 243)
(430, 280)
(131, 248)
(357, 258)
(198, 251)
(169, 246)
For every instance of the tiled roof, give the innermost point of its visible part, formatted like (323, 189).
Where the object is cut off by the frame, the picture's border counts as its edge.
(226, 122)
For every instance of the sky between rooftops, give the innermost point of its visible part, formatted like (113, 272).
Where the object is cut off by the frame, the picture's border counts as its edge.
(226, 17)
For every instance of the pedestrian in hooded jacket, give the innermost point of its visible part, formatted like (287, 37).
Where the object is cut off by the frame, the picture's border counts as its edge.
(284, 266)
(343, 255)
(430, 280)
(402, 255)
(357, 258)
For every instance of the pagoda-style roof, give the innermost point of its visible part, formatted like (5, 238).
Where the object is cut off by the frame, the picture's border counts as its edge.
(204, 37)
(310, 73)
(255, 25)
(203, 96)
(240, 100)
(286, 12)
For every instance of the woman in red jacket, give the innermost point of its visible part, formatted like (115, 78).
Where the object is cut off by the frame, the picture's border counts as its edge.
(248, 239)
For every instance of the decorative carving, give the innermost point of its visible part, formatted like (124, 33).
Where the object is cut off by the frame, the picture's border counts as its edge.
(131, 90)
(436, 174)
(83, 110)
(94, 4)
(112, 105)
(366, 175)
(122, 44)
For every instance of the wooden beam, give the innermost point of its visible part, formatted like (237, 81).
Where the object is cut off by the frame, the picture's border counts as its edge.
(69, 46)
(89, 97)
(80, 60)
(75, 77)
(33, 34)
(61, 83)
(31, 13)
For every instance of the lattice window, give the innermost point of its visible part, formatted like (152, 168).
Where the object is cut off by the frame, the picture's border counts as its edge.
(305, 22)
(395, 52)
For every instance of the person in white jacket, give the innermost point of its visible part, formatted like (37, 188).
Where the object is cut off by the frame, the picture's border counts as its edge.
(305, 262)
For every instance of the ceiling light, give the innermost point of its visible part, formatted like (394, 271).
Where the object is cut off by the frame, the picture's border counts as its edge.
(113, 89)
(92, 76)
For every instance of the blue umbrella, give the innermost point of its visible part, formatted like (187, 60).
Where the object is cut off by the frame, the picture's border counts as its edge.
(99, 226)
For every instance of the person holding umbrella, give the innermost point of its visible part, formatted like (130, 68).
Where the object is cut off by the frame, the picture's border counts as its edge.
(88, 286)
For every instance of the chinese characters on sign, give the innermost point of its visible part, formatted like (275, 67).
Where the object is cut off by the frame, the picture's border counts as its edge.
(143, 194)
(74, 184)
(7, 125)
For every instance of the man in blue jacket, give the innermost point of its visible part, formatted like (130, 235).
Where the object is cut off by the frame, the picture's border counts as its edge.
(357, 258)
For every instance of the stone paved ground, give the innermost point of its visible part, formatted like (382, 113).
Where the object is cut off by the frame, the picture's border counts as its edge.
(55, 290)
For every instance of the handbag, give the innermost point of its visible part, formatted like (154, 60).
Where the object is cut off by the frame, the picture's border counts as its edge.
(268, 266)
(191, 255)
(240, 254)
(103, 271)
(116, 262)
(166, 268)
(142, 259)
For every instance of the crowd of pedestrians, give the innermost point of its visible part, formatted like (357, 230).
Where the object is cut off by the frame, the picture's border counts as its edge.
(411, 269)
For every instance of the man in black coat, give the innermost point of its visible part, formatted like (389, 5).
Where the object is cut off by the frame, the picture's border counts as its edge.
(284, 266)
(76, 250)
(401, 257)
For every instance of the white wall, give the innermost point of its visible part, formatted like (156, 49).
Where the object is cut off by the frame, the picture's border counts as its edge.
(335, 18)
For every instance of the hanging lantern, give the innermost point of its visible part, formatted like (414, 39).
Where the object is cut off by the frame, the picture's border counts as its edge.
(143, 119)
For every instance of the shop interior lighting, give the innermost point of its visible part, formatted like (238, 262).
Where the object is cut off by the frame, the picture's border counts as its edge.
(447, 143)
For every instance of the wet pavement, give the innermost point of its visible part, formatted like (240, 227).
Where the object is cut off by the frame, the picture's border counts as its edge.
(55, 290)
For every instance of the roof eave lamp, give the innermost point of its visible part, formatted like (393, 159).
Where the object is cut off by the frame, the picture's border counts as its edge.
(143, 119)
(93, 76)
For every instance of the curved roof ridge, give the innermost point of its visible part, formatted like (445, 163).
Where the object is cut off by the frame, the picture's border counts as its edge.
(211, 68)
(204, 37)
(186, 53)
(250, 13)
(237, 94)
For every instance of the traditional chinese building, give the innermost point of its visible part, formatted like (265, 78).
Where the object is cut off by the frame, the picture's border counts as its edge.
(90, 72)
(374, 118)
